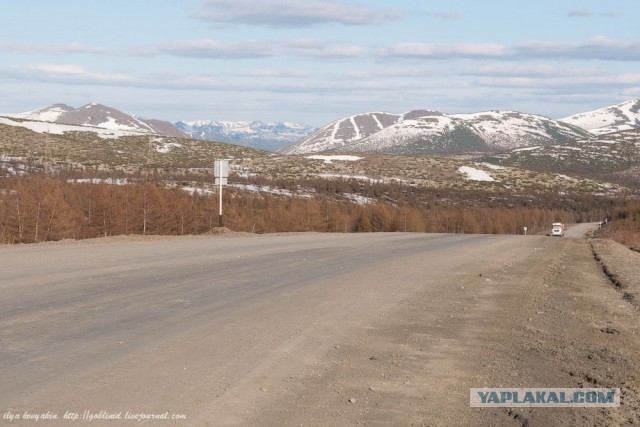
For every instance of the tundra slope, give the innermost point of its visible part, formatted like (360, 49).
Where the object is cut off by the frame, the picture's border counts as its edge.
(430, 132)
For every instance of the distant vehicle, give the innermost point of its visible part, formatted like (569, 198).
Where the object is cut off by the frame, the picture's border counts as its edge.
(557, 229)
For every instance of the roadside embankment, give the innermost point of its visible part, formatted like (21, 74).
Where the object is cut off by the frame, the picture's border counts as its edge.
(622, 267)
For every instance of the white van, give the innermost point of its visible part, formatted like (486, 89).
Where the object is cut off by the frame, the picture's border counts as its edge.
(557, 229)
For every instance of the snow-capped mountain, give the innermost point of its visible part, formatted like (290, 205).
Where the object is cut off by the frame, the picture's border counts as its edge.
(256, 134)
(431, 132)
(46, 114)
(614, 118)
(99, 116)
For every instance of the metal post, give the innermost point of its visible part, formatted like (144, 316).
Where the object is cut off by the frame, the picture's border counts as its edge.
(220, 212)
(221, 172)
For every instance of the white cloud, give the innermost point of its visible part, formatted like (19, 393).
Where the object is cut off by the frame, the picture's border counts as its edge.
(71, 48)
(208, 48)
(70, 73)
(444, 51)
(500, 69)
(292, 13)
(272, 73)
(564, 81)
(597, 48)
(319, 49)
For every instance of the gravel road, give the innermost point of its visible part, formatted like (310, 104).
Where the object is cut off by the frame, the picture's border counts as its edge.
(311, 329)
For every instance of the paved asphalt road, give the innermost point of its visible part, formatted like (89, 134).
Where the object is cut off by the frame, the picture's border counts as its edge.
(206, 328)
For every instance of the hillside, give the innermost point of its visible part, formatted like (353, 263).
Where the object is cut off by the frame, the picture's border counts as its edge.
(76, 150)
(613, 157)
(34, 144)
(611, 119)
(423, 132)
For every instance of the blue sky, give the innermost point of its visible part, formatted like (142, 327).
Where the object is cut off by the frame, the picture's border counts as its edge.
(314, 61)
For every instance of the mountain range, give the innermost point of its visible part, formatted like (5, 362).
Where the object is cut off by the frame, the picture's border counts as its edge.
(256, 134)
(416, 132)
(432, 132)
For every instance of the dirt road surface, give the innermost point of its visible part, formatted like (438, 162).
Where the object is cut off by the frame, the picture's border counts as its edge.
(311, 329)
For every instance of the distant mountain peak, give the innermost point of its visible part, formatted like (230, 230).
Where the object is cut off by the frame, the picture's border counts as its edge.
(45, 114)
(95, 115)
(415, 114)
(610, 119)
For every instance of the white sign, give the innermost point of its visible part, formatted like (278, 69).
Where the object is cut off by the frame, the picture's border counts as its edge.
(221, 171)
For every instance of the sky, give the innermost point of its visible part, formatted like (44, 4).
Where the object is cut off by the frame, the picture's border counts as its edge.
(315, 61)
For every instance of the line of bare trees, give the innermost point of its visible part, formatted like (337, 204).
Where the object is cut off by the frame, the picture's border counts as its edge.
(40, 208)
(624, 226)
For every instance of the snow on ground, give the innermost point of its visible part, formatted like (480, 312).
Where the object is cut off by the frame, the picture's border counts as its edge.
(13, 171)
(264, 189)
(5, 158)
(272, 190)
(330, 159)
(58, 129)
(109, 181)
(491, 166)
(346, 176)
(474, 174)
(49, 114)
(242, 171)
(198, 191)
(165, 147)
(526, 149)
(359, 199)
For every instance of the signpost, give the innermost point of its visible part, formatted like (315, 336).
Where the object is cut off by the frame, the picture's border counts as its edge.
(221, 173)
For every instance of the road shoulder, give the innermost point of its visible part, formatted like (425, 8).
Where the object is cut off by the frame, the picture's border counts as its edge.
(546, 317)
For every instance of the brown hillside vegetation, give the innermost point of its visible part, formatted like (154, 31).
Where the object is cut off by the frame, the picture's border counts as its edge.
(39, 208)
(624, 226)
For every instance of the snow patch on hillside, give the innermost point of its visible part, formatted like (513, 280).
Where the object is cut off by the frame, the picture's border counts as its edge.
(474, 174)
(47, 114)
(359, 199)
(491, 166)
(58, 129)
(526, 149)
(330, 159)
(614, 118)
(164, 147)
